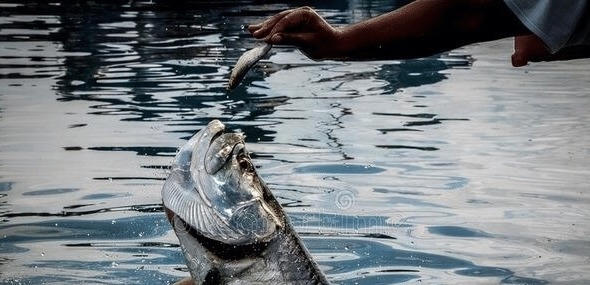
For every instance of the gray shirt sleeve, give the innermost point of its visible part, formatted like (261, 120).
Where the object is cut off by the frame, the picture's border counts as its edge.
(559, 23)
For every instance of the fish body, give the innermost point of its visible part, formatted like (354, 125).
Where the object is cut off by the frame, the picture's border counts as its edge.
(231, 228)
(245, 63)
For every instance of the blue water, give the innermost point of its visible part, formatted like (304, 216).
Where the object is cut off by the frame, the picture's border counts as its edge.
(453, 169)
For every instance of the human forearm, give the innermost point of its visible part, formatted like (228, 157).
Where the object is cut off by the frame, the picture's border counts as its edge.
(398, 34)
(421, 28)
(426, 27)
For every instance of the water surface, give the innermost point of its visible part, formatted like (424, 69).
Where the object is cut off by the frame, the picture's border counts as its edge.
(453, 169)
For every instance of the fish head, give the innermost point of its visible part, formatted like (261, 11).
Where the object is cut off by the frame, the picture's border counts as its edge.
(214, 188)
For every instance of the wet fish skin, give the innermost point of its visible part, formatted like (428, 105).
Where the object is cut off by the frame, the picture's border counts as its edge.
(245, 63)
(216, 249)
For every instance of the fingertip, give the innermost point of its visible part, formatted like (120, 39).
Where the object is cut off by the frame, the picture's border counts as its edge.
(258, 34)
(253, 28)
(518, 61)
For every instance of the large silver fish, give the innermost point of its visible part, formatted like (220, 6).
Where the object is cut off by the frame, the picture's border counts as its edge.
(231, 228)
(245, 63)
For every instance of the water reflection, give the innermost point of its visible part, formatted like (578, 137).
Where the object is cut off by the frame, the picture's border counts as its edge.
(148, 61)
(136, 253)
(375, 262)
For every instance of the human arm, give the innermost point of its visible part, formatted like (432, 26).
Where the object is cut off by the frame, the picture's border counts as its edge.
(421, 28)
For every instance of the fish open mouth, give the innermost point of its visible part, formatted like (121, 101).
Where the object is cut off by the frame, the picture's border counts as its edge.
(215, 189)
(219, 150)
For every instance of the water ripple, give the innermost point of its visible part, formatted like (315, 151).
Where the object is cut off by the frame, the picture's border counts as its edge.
(440, 170)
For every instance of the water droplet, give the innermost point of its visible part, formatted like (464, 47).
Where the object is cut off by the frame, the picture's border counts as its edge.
(114, 264)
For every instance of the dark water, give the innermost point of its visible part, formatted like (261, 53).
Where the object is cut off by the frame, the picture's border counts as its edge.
(455, 169)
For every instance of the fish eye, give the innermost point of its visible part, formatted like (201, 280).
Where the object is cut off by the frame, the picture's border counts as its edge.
(245, 164)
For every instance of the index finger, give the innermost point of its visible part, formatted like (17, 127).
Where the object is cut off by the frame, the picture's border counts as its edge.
(262, 30)
(295, 22)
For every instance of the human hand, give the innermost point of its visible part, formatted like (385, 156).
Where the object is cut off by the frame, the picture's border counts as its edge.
(303, 28)
(530, 48)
